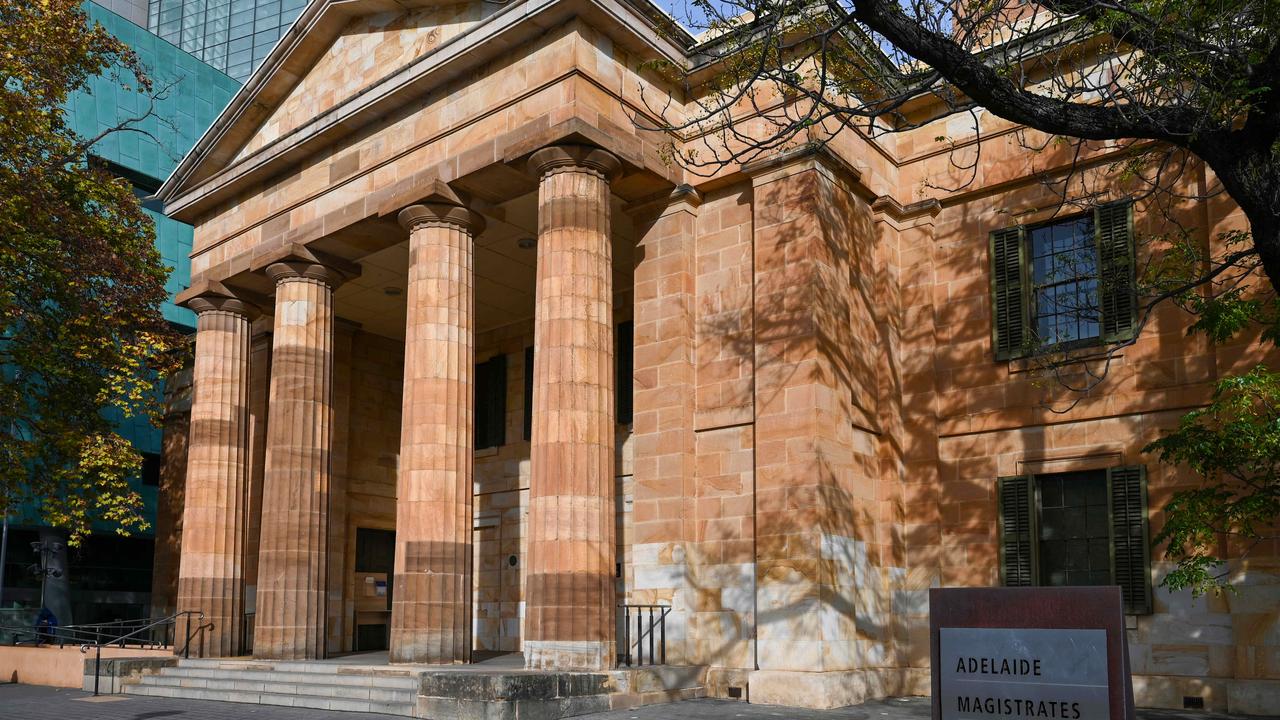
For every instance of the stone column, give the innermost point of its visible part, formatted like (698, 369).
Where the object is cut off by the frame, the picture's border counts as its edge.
(570, 583)
(295, 492)
(170, 499)
(211, 569)
(431, 608)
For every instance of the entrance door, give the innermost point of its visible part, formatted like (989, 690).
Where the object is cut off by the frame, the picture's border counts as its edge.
(375, 558)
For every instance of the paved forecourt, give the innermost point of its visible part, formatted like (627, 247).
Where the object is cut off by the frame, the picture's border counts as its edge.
(30, 702)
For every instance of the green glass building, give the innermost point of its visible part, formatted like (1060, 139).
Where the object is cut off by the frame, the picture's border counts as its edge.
(233, 36)
(108, 576)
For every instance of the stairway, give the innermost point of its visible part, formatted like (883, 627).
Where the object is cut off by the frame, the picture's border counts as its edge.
(317, 685)
(490, 690)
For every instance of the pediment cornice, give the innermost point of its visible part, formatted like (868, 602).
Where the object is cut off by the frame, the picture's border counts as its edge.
(211, 171)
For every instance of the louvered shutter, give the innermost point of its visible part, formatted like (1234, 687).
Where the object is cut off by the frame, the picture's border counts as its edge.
(1017, 531)
(1010, 326)
(1130, 543)
(1117, 298)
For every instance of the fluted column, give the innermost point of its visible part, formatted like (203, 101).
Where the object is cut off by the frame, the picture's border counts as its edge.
(570, 582)
(431, 608)
(211, 569)
(289, 623)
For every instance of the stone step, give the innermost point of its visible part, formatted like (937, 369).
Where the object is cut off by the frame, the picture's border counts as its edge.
(284, 687)
(353, 680)
(264, 698)
(293, 666)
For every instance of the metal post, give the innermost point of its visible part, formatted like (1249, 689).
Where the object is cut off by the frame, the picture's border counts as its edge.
(651, 655)
(4, 553)
(626, 636)
(97, 668)
(662, 625)
(639, 640)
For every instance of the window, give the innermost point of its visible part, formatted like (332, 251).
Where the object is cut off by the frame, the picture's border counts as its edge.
(1063, 284)
(625, 362)
(491, 402)
(1079, 528)
(528, 393)
(151, 469)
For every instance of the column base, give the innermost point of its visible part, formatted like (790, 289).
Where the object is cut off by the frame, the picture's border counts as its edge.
(427, 648)
(568, 655)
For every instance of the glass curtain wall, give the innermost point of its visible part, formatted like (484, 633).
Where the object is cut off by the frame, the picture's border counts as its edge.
(233, 36)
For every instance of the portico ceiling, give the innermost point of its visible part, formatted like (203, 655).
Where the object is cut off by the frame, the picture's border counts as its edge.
(505, 273)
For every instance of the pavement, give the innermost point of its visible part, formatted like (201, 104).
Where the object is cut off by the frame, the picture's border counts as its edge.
(31, 702)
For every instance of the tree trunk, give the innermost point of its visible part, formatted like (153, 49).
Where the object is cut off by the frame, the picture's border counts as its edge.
(1249, 175)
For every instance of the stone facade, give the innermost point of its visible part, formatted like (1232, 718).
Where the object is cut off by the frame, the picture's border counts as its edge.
(817, 420)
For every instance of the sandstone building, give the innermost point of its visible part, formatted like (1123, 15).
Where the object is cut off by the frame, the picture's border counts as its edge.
(468, 341)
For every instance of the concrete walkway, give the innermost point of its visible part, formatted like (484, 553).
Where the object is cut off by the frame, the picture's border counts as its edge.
(30, 702)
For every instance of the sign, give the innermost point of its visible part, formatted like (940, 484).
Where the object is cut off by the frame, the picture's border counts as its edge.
(1029, 654)
(1023, 673)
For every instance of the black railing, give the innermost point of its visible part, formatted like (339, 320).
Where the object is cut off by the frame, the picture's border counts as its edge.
(140, 634)
(144, 633)
(650, 630)
(122, 633)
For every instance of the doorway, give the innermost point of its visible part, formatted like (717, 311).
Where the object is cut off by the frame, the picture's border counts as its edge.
(375, 559)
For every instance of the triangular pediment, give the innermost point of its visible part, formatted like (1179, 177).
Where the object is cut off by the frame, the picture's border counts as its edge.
(347, 63)
(369, 48)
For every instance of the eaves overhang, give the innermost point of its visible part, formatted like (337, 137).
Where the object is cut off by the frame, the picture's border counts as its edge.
(210, 172)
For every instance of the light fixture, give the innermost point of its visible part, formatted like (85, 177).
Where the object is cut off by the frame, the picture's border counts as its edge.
(391, 290)
(527, 243)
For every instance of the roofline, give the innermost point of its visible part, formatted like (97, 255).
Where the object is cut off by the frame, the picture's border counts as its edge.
(337, 13)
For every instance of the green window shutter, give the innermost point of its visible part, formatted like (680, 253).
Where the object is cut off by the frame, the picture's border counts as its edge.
(1130, 542)
(1117, 297)
(1017, 534)
(1010, 327)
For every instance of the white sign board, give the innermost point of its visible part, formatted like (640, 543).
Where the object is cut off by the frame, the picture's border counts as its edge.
(1023, 674)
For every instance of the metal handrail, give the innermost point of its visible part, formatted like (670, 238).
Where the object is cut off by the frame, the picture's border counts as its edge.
(112, 631)
(171, 620)
(659, 624)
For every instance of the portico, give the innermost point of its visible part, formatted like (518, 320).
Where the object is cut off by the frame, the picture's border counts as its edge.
(569, 539)
(464, 362)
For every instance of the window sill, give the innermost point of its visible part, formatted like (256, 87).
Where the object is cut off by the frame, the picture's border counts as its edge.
(1079, 357)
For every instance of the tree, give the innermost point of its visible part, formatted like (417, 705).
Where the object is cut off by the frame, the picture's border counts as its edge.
(1155, 86)
(1234, 445)
(81, 282)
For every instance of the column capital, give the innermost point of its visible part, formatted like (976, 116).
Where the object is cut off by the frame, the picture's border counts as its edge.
(286, 270)
(432, 212)
(574, 157)
(296, 261)
(212, 296)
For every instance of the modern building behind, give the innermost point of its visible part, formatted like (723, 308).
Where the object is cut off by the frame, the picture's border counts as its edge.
(109, 576)
(233, 36)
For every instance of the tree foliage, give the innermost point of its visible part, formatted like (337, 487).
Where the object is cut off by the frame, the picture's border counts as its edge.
(81, 282)
(1233, 444)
